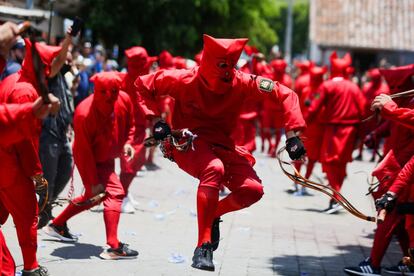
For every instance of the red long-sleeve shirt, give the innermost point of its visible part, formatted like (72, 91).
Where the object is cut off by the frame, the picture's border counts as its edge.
(342, 100)
(15, 122)
(210, 115)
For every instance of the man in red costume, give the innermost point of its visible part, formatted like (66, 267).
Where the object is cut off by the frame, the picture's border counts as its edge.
(340, 107)
(21, 166)
(104, 130)
(208, 100)
(138, 64)
(272, 119)
(401, 149)
(303, 80)
(15, 125)
(314, 130)
(371, 89)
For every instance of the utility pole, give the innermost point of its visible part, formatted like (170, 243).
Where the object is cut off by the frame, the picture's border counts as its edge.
(288, 34)
(51, 2)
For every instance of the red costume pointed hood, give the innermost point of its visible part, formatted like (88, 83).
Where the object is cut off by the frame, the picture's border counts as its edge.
(46, 53)
(165, 60)
(316, 75)
(279, 66)
(339, 66)
(399, 78)
(138, 61)
(374, 75)
(106, 91)
(304, 66)
(217, 67)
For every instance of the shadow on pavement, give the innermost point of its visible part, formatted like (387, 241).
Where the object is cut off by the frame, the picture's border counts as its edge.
(350, 255)
(77, 251)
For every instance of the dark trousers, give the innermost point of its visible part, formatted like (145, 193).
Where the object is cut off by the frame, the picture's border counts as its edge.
(57, 161)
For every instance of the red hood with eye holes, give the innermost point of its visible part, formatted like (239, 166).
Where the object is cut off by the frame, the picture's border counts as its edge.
(106, 90)
(216, 51)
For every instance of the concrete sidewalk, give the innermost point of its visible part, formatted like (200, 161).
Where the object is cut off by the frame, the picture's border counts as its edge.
(280, 235)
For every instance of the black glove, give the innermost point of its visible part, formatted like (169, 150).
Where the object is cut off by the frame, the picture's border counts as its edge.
(387, 202)
(161, 130)
(295, 148)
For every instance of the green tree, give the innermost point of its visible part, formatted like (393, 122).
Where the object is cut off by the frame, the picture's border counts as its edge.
(178, 25)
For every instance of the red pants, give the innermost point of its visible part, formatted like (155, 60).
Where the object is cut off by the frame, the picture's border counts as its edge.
(7, 266)
(213, 165)
(19, 200)
(112, 202)
(245, 134)
(130, 169)
(393, 224)
(335, 172)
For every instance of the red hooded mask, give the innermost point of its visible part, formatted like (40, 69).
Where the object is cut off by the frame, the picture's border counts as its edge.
(106, 91)
(165, 60)
(179, 63)
(47, 54)
(304, 66)
(316, 75)
(374, 75)
(339, 66)
(138, 61)
(279, 66)
(399, 78)
(220, 56)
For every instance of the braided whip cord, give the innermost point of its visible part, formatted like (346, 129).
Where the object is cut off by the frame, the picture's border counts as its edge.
(338, 197)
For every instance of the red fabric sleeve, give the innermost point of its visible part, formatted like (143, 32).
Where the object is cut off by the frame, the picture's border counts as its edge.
(15, 122)
(151, 87)
(404, 116)
(28, 149)
(404, 178)
(83, 153)
(285, 97)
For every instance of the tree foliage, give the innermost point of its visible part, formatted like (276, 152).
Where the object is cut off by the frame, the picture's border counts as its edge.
(178, 25)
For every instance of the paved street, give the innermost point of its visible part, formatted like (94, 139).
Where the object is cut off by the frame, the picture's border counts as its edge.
(280, 235)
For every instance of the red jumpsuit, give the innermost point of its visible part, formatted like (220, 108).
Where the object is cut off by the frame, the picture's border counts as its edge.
(272, 119)
(314, 131)
(15, 125)
(208, 101)
(303, 80)
(340, 107)
(138, 64)
(400, 148)
(103, 124)
(20, 161)
(370, 90)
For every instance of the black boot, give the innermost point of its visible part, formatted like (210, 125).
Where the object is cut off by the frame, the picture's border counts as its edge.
(215, 233)
(41, 271)
(203, 257)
